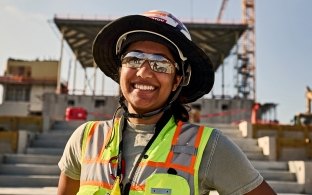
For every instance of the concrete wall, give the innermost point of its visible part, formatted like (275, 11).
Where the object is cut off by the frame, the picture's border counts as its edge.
(36, 96)
(225, 111)
(10, 108)
(8, 141)
(212, 110)
(38, 69)
(288, 142)
(97, 107)
(43, 72)
(19, 108)
(49, 71)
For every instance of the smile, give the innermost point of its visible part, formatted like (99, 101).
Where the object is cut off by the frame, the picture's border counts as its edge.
(144, 87)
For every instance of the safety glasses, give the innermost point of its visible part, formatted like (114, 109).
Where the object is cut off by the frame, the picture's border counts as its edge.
(158, 63)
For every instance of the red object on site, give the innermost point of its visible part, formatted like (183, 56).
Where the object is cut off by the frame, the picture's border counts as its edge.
(75, 113)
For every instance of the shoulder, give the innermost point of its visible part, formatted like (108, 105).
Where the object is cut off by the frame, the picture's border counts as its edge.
(221, 147)
(226, 167)
(84, 129)
(95, 125)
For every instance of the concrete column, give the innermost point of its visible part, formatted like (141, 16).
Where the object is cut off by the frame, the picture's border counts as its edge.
(46, 112)
(58, 88)
(94, 78)
(75, 72)
(22, 141)
(24, 138)
(103, 83)
(222, 75)
(85, 84)
(46, 123)
(246, 129)
(268, 145)
(303, 171)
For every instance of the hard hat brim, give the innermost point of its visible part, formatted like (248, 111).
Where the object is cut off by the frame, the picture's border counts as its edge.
(105, 57)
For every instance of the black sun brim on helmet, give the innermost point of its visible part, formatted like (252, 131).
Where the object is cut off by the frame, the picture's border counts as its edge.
(104, 53)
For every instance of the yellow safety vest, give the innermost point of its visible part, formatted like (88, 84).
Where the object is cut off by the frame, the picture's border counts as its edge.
(178, 147)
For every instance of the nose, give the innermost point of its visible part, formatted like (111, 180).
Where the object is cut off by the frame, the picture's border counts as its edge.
(145, 70)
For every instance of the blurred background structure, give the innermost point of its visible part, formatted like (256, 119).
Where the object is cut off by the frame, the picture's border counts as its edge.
(44, 100)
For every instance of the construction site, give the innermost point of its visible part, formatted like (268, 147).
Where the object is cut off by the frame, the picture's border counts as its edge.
(40, 111)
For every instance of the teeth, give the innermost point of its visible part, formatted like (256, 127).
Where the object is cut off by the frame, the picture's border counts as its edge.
(144, 87)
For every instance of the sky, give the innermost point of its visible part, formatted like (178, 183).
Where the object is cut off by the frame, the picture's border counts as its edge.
(283, 39)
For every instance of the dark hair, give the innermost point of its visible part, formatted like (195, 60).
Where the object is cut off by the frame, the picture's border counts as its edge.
(180, 111)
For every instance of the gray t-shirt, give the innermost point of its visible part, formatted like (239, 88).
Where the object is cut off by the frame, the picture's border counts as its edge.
(224, 166)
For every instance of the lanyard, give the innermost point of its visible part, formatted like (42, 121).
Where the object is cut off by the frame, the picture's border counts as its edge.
(121, 165)
(121, 162)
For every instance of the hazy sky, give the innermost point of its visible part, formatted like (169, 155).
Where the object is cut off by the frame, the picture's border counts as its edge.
(283, 39)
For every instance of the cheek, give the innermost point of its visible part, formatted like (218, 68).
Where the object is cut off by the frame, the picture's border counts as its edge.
(126, 72)
(169, 82)
(122, 77)
(125, 77)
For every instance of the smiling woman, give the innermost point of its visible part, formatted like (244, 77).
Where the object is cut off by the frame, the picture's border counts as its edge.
(273, 52)
(150, 147)
(146, 89)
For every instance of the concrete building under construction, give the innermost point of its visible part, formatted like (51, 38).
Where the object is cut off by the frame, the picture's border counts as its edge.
(35, 123)
(219, 40)
(24, 83)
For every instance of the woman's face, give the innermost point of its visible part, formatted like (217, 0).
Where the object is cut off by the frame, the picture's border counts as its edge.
(144, 89)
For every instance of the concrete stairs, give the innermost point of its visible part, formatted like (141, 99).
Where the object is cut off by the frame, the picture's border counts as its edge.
(36, 171)
(276, 173)
(38, 166)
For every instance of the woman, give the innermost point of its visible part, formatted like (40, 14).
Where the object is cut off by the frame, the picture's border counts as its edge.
(149, 147)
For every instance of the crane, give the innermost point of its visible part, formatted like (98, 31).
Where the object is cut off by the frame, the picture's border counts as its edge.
(246, 74)
(249, 48)
(221, 11)
(306, 117)
(308, 99)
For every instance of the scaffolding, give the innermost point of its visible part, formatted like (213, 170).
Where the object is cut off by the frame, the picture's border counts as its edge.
(245, 51)
(216, 40)
(246, 67)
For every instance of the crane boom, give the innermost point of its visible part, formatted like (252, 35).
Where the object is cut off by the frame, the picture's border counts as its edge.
(221, 11)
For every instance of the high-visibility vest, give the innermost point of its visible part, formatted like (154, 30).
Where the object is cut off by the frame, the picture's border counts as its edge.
(170, 165)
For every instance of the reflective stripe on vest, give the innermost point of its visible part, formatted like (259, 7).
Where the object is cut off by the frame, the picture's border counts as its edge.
(170, 167)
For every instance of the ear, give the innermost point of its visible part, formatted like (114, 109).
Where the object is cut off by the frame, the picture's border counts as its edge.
(176, 82)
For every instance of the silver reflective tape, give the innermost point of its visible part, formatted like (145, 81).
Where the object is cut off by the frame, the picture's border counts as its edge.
(160, 191)
(184, 150)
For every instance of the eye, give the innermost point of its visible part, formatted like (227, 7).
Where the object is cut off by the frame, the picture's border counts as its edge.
(132, 61)
(135, 60)
(159, 67)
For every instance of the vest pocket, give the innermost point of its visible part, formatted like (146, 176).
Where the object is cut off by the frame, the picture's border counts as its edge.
(166, 184)
(89, 190)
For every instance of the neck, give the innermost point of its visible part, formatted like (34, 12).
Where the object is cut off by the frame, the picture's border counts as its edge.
(134, 116)
(148, 120)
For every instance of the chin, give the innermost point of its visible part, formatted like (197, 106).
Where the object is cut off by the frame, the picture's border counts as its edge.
(142, 110)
